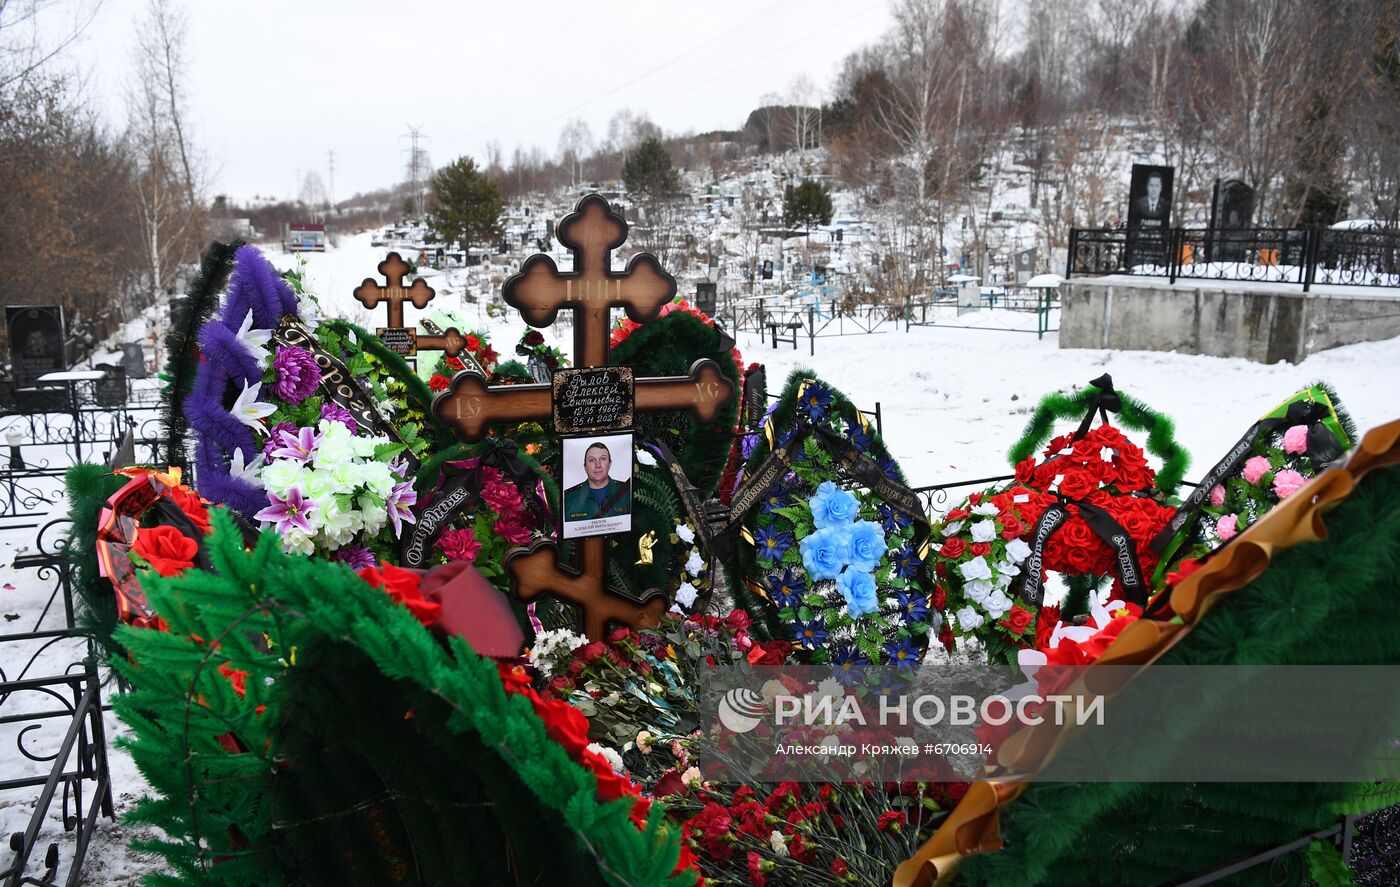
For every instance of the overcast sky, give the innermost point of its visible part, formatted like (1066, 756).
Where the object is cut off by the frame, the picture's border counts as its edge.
(274, 85)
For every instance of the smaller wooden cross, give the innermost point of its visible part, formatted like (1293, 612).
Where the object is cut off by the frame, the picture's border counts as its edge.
(370, 293)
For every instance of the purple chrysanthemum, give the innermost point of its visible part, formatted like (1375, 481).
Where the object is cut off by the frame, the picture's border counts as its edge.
(334, 412)
(291, 513)
(357, 556)
(297, 374)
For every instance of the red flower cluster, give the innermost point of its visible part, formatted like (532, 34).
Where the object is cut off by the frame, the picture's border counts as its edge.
(1077, 471)
(439, 382)
(568, 727)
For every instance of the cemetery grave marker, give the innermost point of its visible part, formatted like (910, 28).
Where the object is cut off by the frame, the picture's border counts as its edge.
(539, 291)
(406, 341)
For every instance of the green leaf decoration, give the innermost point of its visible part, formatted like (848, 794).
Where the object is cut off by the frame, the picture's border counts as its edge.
(363, 751)
(667, 347)
(1326, 866)
(1134, 415)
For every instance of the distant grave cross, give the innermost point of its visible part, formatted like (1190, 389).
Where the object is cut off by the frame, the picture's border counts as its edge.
(405, 340)
(539, 291)
(370, 293)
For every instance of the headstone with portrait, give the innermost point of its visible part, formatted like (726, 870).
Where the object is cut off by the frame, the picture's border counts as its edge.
(1233, 216)
(35, 334)
(1149, 214)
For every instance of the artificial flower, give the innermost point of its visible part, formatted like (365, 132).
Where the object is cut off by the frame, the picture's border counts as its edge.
(297, 374)
(249, 410)
(168, 551)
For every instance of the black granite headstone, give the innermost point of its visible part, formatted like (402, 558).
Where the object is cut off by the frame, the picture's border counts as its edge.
(36, 342)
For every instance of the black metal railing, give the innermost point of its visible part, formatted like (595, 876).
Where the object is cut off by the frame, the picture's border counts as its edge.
(1299, 256)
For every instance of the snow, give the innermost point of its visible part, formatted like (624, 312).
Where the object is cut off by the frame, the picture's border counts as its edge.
(952, 402)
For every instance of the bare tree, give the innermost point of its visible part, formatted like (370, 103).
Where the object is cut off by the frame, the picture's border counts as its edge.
(575, 141)
(802, 93)
(35, 32)
(169, 205)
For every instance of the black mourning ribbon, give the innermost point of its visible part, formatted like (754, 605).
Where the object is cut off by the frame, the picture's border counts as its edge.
(1323, 447)
(1108, 529)
(1105, 401)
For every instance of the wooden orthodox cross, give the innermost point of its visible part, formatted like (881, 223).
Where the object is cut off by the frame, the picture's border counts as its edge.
(405, 340)
(590, 290)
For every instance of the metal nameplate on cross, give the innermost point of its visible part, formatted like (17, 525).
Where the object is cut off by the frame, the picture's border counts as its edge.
(540, 291)
(405, 340)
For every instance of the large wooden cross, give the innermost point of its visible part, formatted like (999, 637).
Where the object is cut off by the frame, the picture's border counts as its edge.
(370, 294)
(592, 289)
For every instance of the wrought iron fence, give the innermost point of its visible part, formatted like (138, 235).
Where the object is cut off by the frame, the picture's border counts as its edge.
(1301, 256)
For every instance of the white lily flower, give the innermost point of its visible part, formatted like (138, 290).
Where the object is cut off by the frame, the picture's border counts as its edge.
(251, 411)
(248, 471)
(254, 340)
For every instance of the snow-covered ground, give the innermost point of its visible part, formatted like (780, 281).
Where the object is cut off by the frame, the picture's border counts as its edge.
(952, 400)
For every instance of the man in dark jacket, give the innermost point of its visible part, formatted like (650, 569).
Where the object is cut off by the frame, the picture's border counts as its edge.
(600, 495)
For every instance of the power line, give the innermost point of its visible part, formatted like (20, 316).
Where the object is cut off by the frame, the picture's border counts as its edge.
(417, 172)
(330, 161)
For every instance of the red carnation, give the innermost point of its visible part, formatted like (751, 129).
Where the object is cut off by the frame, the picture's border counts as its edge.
(892, 821)
(711, 824)
(756, 870)
(439, 382)
(839, 867)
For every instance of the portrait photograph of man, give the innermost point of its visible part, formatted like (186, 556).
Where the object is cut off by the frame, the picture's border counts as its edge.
(1150, 196)
(597, 485)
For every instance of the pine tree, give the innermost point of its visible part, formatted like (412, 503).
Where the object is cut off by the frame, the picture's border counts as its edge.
(648, 173)
(806, 205)
(469, 205)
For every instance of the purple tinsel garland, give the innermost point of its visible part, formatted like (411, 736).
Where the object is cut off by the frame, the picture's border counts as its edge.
(225, 367)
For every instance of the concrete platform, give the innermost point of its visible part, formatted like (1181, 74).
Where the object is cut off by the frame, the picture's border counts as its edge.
(1264, 322)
